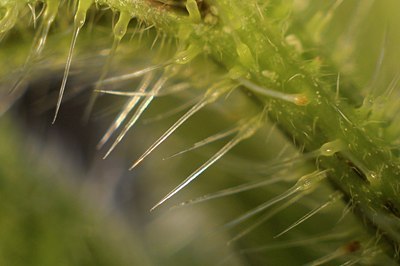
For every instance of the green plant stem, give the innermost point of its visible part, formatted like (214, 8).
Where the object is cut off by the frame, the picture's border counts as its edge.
(246, 44)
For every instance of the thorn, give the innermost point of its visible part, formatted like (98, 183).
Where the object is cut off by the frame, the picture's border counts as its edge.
(245, 132)
(231, 191)
(142, 107)
(206, 141)
(119, 32)
(350, 247)
(126, 93)
(304, 184)
(171, 112)
(332, 199)
(265, 218)
(126, 110)
(39, 40)
(301, 242)
(79, 21)
(129, 76)
(298, 99)
(210, 96)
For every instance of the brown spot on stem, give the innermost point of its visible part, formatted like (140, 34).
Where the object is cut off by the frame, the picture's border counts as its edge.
(301, 100)
(352, 246)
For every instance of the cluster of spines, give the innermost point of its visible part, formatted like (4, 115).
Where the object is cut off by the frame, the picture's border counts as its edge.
(271, 68)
